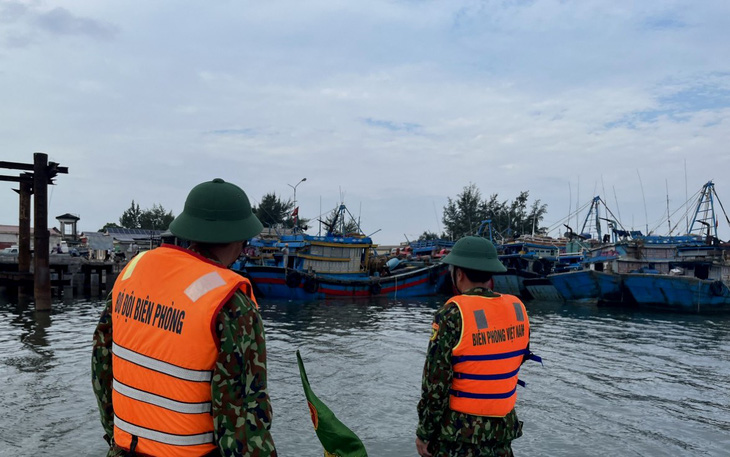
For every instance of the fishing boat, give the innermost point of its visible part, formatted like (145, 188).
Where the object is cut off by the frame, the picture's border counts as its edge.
(698, 276)
(600, 279)
(299, 266)
(608, 253)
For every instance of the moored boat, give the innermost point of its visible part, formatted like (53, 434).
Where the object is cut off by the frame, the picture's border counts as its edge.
(678, 293)
(299, 266)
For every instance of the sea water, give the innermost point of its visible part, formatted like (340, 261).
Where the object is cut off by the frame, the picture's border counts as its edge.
(614, 381)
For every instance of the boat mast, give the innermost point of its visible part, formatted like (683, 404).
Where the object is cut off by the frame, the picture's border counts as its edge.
(593, 211)
(705, 212)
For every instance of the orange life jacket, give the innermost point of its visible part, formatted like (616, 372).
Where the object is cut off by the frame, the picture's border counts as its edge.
(494, 340)
(164, 306)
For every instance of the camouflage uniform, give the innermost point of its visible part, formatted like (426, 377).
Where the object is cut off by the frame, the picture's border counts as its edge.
(448, 432)
(240, 399)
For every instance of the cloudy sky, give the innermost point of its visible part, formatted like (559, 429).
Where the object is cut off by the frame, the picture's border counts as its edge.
(393, 105)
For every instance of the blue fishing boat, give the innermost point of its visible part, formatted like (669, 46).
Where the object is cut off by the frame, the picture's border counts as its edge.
(698, 275)
(587, 286)
(299, 266)
(687, 273)
(678, 293)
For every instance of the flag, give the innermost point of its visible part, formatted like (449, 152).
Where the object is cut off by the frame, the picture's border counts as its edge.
(295, 215)
(336, 438)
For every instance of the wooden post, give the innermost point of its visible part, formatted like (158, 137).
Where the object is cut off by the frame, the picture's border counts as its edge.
(42, 274)
(24, 233)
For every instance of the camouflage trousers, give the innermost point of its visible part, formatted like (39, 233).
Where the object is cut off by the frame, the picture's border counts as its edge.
(462, 449)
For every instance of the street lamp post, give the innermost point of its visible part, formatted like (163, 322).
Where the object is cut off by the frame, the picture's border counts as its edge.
(295, 194)
(295, 189)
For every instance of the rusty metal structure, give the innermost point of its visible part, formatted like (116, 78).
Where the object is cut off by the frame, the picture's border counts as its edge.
(34, 181)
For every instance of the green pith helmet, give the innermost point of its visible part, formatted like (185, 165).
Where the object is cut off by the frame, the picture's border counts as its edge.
(216, 212)
(475, 253)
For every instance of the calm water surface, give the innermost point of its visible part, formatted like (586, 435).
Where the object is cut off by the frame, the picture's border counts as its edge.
(614, 382)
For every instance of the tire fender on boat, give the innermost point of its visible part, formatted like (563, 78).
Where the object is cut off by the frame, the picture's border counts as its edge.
(716, 288)
(433, 275)
(375, 288)
(311, 284)
(293, 278)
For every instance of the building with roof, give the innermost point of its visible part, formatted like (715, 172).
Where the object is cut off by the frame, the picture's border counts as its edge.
(10, 235)
(134, 240)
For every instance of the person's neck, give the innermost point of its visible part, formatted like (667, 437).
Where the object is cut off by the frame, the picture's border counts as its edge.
(205, 251)
(466, 285)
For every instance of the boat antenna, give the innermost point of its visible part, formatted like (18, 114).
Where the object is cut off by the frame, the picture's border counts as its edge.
(618, 210)
(577, 202)
(646, 213)
(436, 215)
(721, 206)
(570, 200)
(686, 198)
(319, 232)
(669, 216)
(603, 188)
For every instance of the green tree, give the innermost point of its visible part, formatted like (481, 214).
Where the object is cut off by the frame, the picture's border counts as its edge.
(272, 210)
(536, 215)
(109, 225)
(155, 218)
(426, 235)
(508, 218)
(462, 216)
(130, 217)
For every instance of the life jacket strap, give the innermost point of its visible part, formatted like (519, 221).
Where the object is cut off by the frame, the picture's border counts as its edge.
(485, 377)
(462, 394)
(472, 358)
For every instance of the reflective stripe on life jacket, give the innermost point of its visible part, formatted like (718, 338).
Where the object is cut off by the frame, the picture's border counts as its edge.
(164, 306)
(494, 340)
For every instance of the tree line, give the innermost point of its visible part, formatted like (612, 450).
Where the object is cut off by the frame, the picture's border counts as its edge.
(462, 216)
(155, 218)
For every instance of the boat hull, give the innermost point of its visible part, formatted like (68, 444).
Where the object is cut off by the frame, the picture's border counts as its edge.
(680, 293)
(512, 282)
(542, 289)
(588, 285)
(278, 283)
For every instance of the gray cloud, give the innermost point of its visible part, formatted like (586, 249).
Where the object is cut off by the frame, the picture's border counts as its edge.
(60, 21)
(23, 22)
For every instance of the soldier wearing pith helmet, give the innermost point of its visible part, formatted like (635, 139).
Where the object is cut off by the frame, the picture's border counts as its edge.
(185, 374)
(479, 340)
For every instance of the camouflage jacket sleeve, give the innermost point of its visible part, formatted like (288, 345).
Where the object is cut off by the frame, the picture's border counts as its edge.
(437, 372)
(101, 369)
(241, 406)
